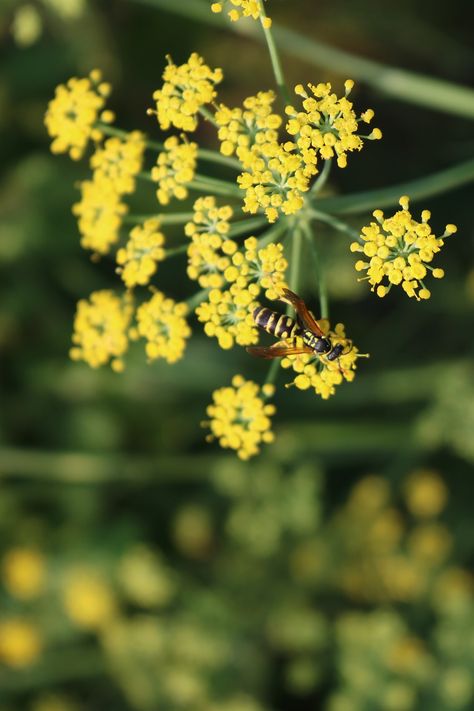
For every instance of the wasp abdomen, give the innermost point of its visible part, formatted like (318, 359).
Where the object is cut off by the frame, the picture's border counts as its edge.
(275, 324)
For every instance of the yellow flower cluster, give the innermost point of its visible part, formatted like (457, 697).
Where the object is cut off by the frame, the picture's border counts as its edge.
(175, 167)
(399, 249)
(186, 89)
(99, 215)
(72, 114)
(101, 329)
(239, 129)
(100, 210)
(162, 322)
(320, 373)
(240, 417)
(88, 599)
(227, 314)
(20, 642)
(327, 125)
(273, 180)
(119, 161)
(24, 573)
(209, 253)
(144, 249)
(243, 8)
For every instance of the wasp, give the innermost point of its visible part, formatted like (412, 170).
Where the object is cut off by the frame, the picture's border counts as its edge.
(300, 335)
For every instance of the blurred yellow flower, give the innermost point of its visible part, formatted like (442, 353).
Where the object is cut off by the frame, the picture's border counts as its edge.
(192, 531)
(20, 643)
(88, 599)
(144, 578)
(24, 571)
(426, 494)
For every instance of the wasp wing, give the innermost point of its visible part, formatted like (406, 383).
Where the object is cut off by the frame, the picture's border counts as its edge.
(303, 312)
(278, 350)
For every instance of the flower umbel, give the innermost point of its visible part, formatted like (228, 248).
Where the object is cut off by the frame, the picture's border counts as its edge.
(101, 329)
(162, 322)
(327, 125)
(400, 249)
(243, 8)
(320, 373)
(175, 167)
(72, 114)
(186, 90)
(241, 128)
(119, 161)
(144, 249)
(209, 253)
(99, 214)
(240, 417)
(273, 180)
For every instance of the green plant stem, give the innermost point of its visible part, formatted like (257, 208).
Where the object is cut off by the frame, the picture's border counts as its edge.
(441, 182)
(272, 234)
(322, 289)
(334, 222)
(274, 57)
(403, 85)
(219, 184)
(196, 299)
(203, 153)
(322, 178)
(173, 218)
(246, 226)
(176, 251)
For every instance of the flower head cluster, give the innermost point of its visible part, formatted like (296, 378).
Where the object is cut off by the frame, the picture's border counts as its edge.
(100, 210)
(400, 249)
(240, 418)
(227, 314)
(144, 249)
(20, 642)
(243, 8)
(175, 167)
(72, 114)
(209, 253)
(99, 214)
(101, 329)
(327, 125)
(119, 161)
(186, 89)
(320, 373)
(241, 128)
(24, 572)
(274, 180)
(162, 322)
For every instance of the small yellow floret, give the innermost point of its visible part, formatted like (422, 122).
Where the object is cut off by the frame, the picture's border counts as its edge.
(175, 168)
(162, 322)
(139, 258)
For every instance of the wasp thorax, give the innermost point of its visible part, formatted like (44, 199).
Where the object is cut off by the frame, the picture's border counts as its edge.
(322, 345)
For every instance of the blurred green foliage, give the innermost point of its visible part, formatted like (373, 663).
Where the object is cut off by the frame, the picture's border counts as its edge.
(141, 568)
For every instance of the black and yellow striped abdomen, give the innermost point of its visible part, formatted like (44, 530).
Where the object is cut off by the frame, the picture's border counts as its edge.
(278, 325)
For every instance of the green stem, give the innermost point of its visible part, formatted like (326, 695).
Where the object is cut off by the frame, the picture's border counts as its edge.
(429, 186)
(201, 187)
(196, 299)
(246, 226)
(176, 250)
(295, 266)
(274, 57)
(322, 178)
(322, 289)
(334, 222)
(219, 184)
(273, 233)
(174, 218)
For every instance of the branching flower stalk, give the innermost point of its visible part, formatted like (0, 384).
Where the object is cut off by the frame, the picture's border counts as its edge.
(240, 235)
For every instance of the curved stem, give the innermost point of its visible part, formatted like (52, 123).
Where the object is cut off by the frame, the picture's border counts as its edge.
(322, 290)
(322, 178)
(196, 299)
(334, 222)
(174, 218)
(274, 57)
(435, 184)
